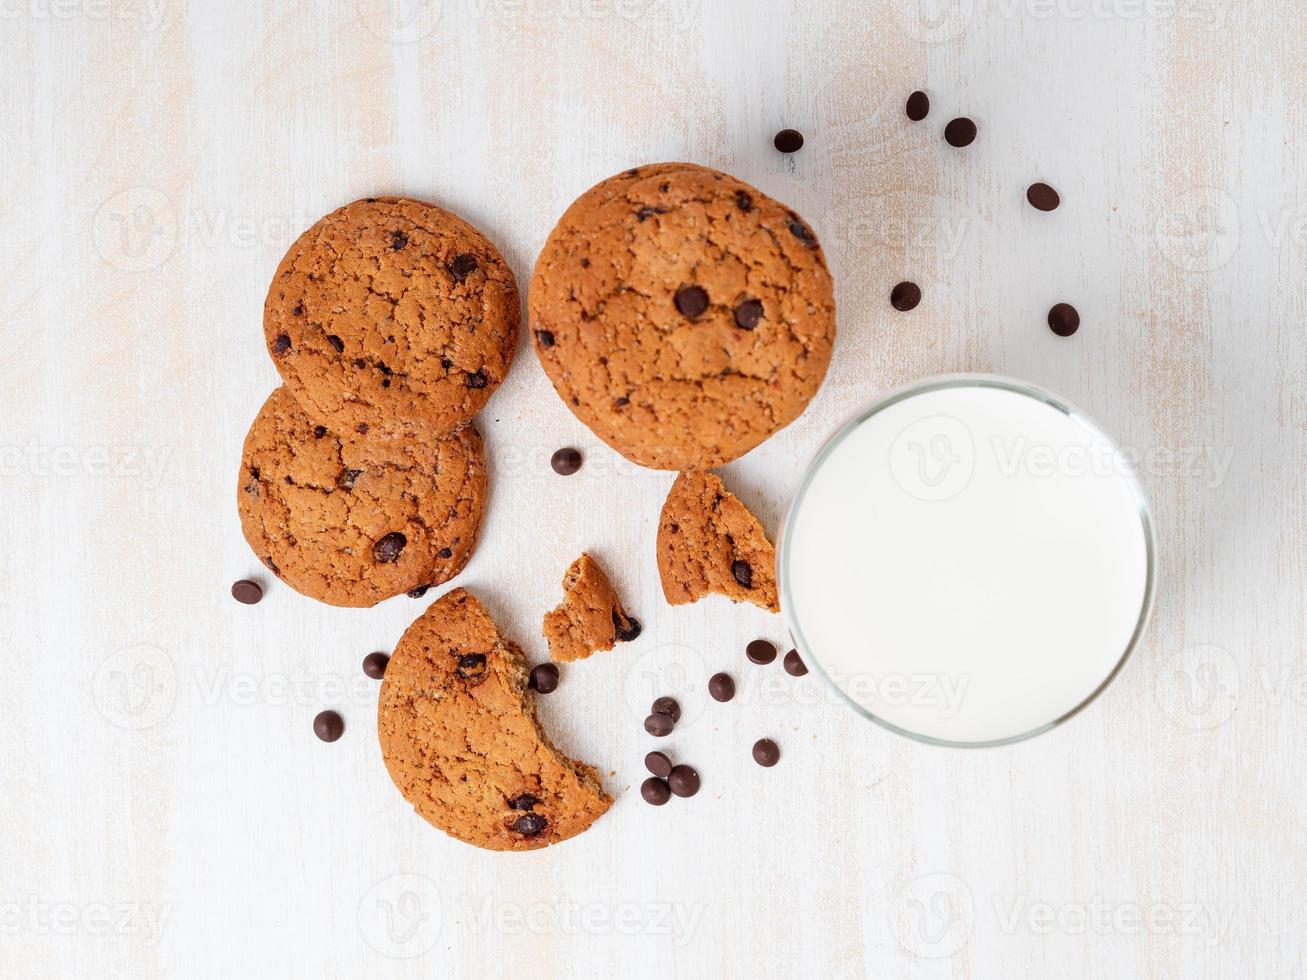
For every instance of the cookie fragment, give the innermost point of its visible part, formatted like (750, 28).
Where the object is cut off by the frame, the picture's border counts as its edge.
(353, 519)
(591, 617)
(709, 542)
(462, 743)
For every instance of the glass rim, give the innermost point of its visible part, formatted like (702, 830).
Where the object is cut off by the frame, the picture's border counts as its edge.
(912, 390)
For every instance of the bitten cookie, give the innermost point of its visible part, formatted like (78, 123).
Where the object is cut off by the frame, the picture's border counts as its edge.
(460, 738)
(351, 519)
(682, 315)
(709, 542)
(390, 311)
(591, 617)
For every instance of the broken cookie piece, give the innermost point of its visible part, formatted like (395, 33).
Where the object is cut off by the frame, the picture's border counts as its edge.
(460, 738)
(709, 542)
(591, 617)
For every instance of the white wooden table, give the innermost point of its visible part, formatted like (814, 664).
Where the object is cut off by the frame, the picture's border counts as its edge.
(164, 806)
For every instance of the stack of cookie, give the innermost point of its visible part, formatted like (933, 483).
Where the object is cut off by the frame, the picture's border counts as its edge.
(391, 322)
(685, 317)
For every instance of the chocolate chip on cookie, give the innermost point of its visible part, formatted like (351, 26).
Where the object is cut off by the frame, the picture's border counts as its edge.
(353, 519)
(703, 325)
(471, 757)
(709, 542)
(373, 305)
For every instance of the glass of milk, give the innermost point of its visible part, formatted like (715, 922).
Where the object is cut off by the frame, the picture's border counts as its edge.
(969, 561)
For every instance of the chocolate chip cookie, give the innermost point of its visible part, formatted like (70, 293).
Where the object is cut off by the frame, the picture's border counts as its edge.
(460, 738)
(710, 542)
(682, 315)
(391, 311)
(591, 617)
(352, 519)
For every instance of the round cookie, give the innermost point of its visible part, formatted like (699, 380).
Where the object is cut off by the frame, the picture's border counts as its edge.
(391, 311)
(351, 519)
(460, 738)
(682, 315)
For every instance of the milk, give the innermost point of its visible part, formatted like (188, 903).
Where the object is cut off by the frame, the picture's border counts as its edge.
(967, 562)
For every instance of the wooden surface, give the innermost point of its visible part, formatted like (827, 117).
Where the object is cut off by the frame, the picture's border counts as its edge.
(165, 807)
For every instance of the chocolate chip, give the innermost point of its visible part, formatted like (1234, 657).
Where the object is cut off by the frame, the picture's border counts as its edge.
(299, 309)
(523, 801)
(463, 266)
(743, 200)
(446, 363)
(622, 402)
(794, 665)
(684, 780)
(960, 132)
(1063, 319)
(918, 105)
(530, 824)
(905, 296)
(565, 462)
(655, 791)
(374, 665)
(626, 628)
(398, 240)
(788, 141)
(691, 300)
(585, 263)
(444, 553)
(319, 431)
(418, 592)
(281, 343)
(658, 724)
(658, 764)
(803, 233)
(766, 752)
(246, 592)
(647, 211)
(267, 560)
(760, 652)
(328, 726)
(361, 428)
(477, 379)
(669, 707)
(1042, 197)
(721, 687)
(348, 478)
(748, 313)
(336, 342)
(544, 678)
(545, 337)
(743, 573)
(471, 665)
(388, 548)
